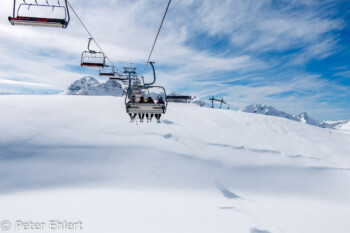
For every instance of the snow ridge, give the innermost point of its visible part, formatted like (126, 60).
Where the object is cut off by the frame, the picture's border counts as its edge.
(271, 111)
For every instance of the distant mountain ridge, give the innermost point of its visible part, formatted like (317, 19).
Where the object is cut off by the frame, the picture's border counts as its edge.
(337, 124)
(302, 117)
(91, 86)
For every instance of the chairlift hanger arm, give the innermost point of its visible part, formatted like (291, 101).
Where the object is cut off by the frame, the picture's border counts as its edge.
(91, 51)
(154, 75)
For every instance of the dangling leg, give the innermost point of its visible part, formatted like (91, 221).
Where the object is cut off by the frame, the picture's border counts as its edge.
(147, 116)
(140, 117)
(159, 116)
(151, 117)
(131, 117)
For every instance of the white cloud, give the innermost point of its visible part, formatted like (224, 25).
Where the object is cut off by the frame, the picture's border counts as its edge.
(126, 30)
(11, 82)
(345, 74)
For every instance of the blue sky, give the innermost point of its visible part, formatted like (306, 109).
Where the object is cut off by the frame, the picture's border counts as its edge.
(293, 55)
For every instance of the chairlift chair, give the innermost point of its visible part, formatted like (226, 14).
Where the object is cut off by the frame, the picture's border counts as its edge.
(93, 59)
(149, 108)
(138, 90)
(107, 71)
(123, 80)
(35, 14)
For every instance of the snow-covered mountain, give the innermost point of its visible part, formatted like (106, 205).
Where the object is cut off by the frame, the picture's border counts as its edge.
(271, 111)
(198, 101)
(91, 86)
(336, 124)
(343, 126)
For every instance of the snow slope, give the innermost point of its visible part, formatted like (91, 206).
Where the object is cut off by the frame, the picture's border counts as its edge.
(77, 158)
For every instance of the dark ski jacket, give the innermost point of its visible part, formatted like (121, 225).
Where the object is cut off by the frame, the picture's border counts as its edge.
(150, 100)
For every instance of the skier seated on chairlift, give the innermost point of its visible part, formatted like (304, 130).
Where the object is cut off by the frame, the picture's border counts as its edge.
(160, 101)
(132, 101)
(141, 115)
(149, 101)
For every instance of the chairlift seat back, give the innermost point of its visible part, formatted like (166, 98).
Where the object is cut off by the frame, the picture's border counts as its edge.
(107, 74)
(145, 108)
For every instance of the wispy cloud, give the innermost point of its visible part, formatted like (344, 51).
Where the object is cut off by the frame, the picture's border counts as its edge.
(11, 82)
(248, 51)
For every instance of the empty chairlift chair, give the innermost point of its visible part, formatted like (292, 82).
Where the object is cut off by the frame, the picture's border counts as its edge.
(107, 71)
(123, 80)
(45, 14)
(93, 59)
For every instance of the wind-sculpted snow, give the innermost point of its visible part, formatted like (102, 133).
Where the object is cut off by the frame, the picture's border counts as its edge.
(78, 158)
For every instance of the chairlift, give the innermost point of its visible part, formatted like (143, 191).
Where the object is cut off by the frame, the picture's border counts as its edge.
(37, 14)
(123, 80)
(93, 59)
(140, 90)
(107, 71)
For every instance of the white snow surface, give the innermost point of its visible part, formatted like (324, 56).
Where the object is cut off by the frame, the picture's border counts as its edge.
(78, 158)
(90, 86)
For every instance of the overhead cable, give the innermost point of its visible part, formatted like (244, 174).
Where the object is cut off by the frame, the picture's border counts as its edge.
(155, 41)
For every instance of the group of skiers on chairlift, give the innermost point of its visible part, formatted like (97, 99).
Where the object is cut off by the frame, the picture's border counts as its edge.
(148, 101)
